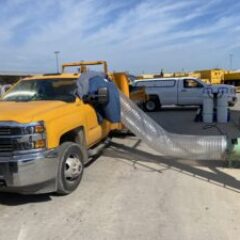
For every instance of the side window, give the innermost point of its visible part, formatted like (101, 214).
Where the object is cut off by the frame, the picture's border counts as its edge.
(191, 83)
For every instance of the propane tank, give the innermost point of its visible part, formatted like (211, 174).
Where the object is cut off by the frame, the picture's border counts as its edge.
(222, 105)
(208, 105)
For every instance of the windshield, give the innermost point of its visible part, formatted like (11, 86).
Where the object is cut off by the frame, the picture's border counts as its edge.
(43, 89)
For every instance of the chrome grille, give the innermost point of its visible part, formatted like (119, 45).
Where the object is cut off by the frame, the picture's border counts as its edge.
(6, 142)
(6, 145)
(5, 131)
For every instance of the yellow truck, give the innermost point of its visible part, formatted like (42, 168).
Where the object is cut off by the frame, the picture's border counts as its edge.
(232, 78)
(45, 141)
(220, 76)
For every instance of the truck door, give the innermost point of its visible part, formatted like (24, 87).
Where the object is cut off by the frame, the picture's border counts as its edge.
(94, 130)
(190, 92)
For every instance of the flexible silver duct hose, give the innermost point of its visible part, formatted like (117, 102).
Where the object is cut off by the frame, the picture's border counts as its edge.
(169, 144)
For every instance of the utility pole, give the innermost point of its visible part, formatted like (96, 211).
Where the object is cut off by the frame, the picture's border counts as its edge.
(57, 62)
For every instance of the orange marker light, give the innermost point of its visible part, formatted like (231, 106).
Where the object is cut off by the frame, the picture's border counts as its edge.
(39, 129)
(40, 143)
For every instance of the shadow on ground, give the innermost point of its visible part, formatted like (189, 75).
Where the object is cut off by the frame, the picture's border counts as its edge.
(14, 199)
(140, 157)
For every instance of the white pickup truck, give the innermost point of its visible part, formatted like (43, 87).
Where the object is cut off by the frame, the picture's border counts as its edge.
(178, 91)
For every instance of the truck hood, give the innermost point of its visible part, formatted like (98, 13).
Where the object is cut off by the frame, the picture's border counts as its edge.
(24, 112)
(231, 89)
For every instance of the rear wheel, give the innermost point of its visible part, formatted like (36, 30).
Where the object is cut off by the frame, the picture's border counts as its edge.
(152, 105)
(71, 166)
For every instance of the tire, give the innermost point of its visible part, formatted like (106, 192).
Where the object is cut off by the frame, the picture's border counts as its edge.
(152, 105)
(71, 166)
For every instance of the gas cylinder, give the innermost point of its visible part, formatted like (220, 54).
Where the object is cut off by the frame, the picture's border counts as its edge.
(208, 105)
(222, 105)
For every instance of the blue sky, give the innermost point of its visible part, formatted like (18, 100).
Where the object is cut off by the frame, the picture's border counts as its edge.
(137, 36)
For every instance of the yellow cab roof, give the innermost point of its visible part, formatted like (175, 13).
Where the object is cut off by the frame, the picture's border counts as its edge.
(53, 76)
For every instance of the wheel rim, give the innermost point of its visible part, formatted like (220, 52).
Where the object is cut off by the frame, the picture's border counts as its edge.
(73, 168)
(150, 105)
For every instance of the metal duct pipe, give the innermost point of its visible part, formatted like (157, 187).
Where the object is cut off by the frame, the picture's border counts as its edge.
(169, 144)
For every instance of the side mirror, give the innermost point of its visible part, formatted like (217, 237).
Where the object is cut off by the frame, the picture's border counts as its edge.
(5, 88)
(101, 98)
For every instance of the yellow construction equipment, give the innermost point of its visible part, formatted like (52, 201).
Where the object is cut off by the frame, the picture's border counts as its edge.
(214, 76)
(211, 76)
(232, 78)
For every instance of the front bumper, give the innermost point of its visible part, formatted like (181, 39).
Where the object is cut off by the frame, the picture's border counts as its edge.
(30, 173)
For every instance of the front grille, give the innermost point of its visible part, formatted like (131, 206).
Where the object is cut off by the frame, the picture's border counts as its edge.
(15, 138)
(6, 145)
(7, 131)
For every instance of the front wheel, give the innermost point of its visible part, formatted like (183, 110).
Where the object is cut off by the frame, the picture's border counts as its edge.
(71, 166)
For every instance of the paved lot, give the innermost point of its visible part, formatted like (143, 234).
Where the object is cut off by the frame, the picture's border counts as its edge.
(131, 192)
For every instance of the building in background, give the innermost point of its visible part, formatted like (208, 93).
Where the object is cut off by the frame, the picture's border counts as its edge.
(12, 77)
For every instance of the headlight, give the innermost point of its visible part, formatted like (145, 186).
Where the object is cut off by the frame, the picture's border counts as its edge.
(38, 128)
(32, 137)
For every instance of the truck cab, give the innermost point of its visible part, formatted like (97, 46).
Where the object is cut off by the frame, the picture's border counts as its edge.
(46, 131)
(190, 91)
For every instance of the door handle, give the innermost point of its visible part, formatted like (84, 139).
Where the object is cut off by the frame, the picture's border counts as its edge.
(184, 90)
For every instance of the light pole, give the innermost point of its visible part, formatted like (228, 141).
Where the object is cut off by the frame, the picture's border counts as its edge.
(57, 63)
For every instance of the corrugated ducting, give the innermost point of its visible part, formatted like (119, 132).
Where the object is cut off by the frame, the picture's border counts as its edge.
(169, 144)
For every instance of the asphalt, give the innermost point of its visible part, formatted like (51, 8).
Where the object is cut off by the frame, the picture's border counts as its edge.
(131, 192)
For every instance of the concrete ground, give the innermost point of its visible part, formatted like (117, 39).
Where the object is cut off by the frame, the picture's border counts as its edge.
(131, 192)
